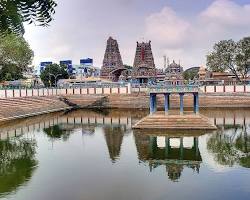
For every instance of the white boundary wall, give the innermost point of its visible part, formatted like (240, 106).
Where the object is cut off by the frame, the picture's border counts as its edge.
(13, 93)
(225, 89)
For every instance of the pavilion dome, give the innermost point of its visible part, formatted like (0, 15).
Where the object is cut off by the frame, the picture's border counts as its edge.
(174, 68)
(174, 65)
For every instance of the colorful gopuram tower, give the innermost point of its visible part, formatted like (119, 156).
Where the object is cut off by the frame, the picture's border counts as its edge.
(112, 60)
(144, 69)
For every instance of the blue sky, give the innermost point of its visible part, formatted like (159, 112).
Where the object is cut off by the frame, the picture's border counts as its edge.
(180, 29)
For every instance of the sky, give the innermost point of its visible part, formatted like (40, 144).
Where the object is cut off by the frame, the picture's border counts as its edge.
(184, 30)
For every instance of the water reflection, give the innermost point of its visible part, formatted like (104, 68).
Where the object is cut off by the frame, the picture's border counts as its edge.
(186, 157)
(70, 121)
(231, 146)
(114, 137)
(17, 163)
(57, 132)
(175, 153)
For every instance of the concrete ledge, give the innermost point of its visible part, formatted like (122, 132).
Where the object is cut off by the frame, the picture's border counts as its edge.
(33, 114)
(174, 121)
(14, 108)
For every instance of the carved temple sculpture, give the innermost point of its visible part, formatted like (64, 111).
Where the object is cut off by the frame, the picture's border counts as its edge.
(112, 62)
(144, 70)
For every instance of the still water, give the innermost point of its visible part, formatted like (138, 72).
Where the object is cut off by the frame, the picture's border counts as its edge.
(85, 155)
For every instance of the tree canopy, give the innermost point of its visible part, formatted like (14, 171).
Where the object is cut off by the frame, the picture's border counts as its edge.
(14, 12)
(190, 73)
(53, 71)
(15, 56)
(228, 55)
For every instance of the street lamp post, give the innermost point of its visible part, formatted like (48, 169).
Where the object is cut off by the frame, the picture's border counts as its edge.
(55, 76)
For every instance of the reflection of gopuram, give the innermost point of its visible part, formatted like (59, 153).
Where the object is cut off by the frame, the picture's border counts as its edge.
(174, 153)
(114, 136)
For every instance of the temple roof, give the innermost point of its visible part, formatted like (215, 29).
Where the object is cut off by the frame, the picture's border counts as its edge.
(174, 65)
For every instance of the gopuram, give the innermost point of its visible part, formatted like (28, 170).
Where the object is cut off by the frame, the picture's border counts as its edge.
(112, 62)
(144, 70)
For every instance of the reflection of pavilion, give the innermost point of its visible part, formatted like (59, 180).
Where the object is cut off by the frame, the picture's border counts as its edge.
(174, 153)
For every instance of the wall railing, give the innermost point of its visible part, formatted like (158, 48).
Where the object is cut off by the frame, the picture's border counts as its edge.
(173, 89)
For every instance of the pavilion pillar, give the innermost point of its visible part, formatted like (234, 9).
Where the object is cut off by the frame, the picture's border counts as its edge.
(152, 103)
(166, 102)
(181, 103)
(196, 103)
(155, 103)
(181, 148)
(166, 146)
(151, 145)
(196, 146)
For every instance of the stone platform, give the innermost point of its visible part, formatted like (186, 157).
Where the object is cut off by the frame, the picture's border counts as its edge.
(186, 121)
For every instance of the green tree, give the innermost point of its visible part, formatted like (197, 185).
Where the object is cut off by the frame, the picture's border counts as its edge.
(15, 56)
(14, 12)
(228, 55)
(243, 57)
(190, 73)
(53, 71)
(223, 57)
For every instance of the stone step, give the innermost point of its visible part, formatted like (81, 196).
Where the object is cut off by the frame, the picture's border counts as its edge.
(172, 121)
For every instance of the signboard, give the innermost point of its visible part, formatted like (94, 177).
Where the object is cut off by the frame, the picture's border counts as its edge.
(66, 62)
(44, 64)
(87, 61)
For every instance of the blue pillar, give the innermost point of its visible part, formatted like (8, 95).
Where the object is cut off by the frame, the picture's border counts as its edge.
(196, 103)
(166, 103)
(181, 103)
(155, 103)
(152, 103)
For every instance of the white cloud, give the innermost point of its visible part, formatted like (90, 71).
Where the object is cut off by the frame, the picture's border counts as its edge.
(191, 39)
(227, 13)
(81, 29)
(167, 26)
